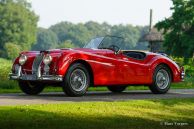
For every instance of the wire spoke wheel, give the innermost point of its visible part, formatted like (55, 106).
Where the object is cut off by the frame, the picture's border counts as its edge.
(162, 79)
(78, 80)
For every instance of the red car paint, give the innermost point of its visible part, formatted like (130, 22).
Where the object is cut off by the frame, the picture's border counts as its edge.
(106, 67)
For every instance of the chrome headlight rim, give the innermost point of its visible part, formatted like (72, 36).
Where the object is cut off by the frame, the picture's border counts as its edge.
(22, 60)
(47, 59)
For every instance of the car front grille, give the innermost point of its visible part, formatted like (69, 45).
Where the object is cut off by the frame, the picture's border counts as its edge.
(37, 62)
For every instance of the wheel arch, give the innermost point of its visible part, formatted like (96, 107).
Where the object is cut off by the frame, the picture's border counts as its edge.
(167, 66)
(88, 67)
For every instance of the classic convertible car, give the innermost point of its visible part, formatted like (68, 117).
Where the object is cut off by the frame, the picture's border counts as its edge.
(102, 62)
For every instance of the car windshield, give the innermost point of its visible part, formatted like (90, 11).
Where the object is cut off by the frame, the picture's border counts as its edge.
(94, 43)
(105, 42)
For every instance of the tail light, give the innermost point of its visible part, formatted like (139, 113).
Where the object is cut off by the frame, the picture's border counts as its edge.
(182, 72)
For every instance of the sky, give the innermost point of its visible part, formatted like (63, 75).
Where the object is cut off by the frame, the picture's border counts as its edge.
(135, 12)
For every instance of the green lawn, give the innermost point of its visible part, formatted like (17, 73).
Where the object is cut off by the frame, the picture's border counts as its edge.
(101, 115)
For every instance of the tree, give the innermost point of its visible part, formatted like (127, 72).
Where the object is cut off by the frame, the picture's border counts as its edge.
(18, 24)
(179, 29)
(80, 33)
(67, 44)
(129, 33)
(96, 29)
(12, 50)
(142, 45)
(61, 30)
(46, 39)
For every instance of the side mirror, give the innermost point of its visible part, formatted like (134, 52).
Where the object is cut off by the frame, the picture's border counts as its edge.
(115, 48)
(118, 52)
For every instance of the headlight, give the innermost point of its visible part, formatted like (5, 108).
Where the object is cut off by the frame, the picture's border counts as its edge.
(47, 59)
(22, 59)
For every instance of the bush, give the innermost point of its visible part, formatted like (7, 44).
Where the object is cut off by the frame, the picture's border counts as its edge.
(12, 50)
(179, 60)
(5, 69)
(189, 67)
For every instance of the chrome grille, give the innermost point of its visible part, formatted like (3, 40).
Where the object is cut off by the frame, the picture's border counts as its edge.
(37, 62)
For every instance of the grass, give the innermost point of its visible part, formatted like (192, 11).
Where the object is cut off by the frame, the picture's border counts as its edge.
(147, 114)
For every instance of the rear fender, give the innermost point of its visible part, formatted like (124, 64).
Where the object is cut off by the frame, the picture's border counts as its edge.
(174, 68)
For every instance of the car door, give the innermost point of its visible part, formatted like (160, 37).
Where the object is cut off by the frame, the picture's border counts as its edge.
(128, 70)
(136, 70)
(122, 68)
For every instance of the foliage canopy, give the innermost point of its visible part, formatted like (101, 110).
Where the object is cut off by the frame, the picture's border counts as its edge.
(18, 24)
(46, 39)
(179, 29)
(80, 34)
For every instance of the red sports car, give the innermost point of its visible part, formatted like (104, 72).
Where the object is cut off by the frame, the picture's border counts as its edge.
(102, 62)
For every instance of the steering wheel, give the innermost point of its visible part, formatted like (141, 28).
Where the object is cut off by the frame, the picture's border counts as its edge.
(114, 48)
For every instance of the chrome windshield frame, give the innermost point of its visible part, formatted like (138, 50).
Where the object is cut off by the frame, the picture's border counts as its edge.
(103, 42)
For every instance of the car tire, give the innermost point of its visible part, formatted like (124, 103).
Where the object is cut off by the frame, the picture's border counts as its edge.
(116, 89)
(161, 80)
(31, 88)
(76, 80)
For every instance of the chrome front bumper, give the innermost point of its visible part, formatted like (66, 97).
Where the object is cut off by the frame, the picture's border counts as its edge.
(34, 77)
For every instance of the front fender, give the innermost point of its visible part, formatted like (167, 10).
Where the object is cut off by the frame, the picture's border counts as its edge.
(65, 61)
